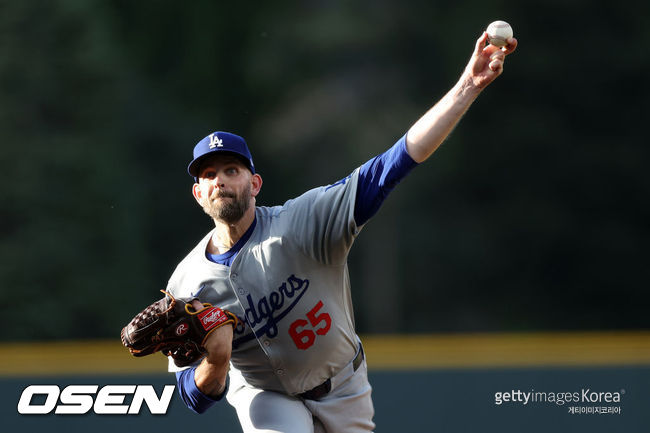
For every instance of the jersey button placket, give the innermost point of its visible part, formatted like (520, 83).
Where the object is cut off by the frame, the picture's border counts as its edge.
(240, 290)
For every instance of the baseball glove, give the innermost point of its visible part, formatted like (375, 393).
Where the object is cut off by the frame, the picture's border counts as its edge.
(175, 328)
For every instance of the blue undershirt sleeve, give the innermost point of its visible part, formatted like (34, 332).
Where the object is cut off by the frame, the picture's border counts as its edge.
(191, 395)
(378, 177)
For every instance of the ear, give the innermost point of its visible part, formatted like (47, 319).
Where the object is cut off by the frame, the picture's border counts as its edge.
(256, 183)
(197, 193)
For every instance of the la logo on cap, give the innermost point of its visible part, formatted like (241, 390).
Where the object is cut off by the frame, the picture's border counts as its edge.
(215, 141)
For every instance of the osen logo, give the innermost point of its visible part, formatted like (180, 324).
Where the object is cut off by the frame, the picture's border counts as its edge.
(80, 399)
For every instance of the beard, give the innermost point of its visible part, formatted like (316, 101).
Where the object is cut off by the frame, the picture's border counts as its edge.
(228, 211)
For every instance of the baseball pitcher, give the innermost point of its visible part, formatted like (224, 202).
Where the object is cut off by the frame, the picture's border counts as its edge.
(260, 310)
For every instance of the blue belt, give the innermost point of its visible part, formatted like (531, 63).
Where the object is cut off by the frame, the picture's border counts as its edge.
(324, 388)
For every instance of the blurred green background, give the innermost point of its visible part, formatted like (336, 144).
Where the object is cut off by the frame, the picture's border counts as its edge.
(532, 216)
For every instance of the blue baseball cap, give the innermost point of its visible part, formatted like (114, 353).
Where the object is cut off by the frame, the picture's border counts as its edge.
(220, 141)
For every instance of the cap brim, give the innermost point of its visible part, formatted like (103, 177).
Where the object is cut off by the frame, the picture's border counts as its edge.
(194, 167)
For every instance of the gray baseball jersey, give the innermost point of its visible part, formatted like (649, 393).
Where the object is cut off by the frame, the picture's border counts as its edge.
(289, 285)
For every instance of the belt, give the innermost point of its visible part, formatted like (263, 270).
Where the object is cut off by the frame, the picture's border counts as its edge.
(324, 388)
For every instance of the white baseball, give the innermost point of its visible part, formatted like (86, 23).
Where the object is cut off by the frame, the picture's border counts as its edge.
(498, 33)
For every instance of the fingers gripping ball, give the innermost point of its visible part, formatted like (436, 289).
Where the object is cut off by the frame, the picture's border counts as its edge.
(498, 33)
(175, 328)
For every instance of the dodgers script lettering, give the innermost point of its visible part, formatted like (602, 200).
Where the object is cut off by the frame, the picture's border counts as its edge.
(269, 310)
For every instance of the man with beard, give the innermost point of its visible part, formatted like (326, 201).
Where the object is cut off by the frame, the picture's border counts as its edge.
(294, 362)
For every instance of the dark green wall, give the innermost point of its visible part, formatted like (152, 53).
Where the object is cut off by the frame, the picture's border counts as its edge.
(453, 401)
(533, 216)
